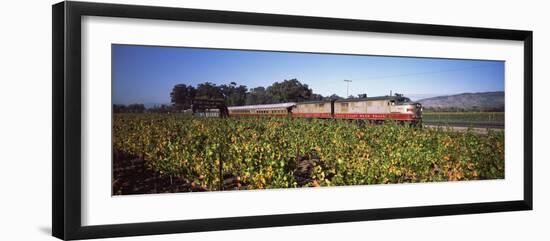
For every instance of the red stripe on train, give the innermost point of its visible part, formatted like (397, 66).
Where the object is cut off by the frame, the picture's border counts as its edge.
(256, 114)
(312, 115)
(376, 116)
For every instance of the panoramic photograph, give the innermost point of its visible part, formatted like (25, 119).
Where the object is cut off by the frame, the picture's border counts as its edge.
(187, 119)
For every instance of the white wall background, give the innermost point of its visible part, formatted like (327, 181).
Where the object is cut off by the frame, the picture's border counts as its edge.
(25, 119)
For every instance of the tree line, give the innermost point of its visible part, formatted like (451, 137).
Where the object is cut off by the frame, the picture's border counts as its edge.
(232, 94)
(132, 108)
(290, 90)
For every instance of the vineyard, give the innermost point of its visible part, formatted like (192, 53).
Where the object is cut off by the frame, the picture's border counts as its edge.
(208, 154)
(474, 118)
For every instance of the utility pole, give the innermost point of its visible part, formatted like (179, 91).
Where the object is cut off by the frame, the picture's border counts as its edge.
(347, 90)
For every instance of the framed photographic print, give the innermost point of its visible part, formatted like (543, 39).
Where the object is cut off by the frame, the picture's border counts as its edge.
(170, 120)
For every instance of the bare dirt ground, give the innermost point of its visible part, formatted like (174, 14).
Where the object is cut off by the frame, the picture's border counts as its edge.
(131, 176)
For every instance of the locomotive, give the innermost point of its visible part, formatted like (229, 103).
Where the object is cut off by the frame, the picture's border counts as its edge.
(375, 109)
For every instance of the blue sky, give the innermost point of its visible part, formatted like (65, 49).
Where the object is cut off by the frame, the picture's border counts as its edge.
(147, 74)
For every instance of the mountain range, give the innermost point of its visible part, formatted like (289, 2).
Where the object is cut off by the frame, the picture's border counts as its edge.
(484, 101)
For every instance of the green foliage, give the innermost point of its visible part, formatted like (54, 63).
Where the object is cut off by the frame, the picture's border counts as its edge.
(258, 95)
(289, 91)
(182, 95)
(208, 90)
(262, 152)
(132, 108)
(237, 95)
(233, 94)
(496, 118)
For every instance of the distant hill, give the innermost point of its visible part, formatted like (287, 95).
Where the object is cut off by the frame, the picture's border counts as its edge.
(486, 101)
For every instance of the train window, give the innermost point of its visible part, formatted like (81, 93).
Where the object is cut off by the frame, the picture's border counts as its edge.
(344, 104)
(321, 105)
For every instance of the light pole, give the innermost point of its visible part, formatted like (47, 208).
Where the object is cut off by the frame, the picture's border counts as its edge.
(347, 89)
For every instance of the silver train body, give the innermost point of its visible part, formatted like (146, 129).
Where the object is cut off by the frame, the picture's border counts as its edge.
(382, 108)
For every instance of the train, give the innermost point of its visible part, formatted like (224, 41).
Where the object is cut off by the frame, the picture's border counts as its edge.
(373, 109)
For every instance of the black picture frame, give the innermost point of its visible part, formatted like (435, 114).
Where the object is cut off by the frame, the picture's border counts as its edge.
(66, 168)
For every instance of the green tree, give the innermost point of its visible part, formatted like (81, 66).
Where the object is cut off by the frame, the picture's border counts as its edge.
(258, 96)
(136, 108)
(209, 90)
(182, 95)
(133, 108)
(333, 97)
(234, 95)
(290, 90)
